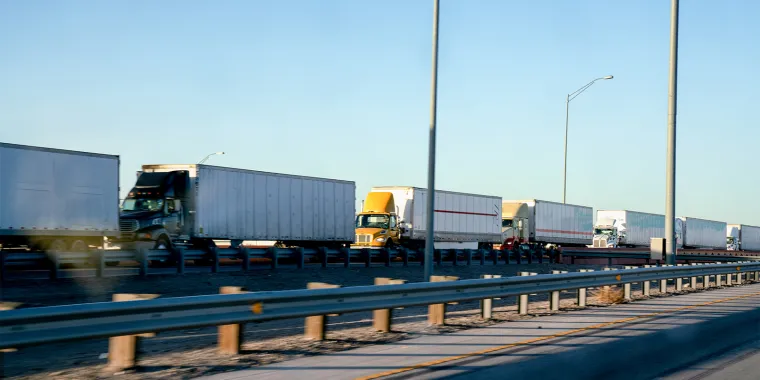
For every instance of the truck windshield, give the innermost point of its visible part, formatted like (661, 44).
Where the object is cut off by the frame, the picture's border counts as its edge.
(506, 222)
(603, 231)
(372, 221)
(140, 204)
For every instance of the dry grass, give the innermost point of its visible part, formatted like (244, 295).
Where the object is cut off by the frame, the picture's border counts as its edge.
(609, 295)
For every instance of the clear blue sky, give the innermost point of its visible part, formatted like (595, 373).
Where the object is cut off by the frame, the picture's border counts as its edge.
(341, 89)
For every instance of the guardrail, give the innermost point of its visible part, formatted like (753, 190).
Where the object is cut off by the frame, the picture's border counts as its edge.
(644, 254)
(101, 260)
(117, 320)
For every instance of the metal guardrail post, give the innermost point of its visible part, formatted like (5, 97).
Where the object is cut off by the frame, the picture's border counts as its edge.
(482, 256)
(274, 256)
(214, 253)
(99, 256)
(693, 279)
(179, 254)
(388, 256)
(729, 279)
(437, 312)
(230, 336)
(143, 261)
(346, 257)
(454, 256)
(316, 324)
(664, 282)
(300, 257)
(627, 287)
(404, 255)
(582, 291)
(381, 318)
(245, 255)
(554, 295)
(438, 253)
(55, 265)
(495, 255)
(122, 350)
(646, 286)
(367, 257)
(718, 278)
(468, 255)
(522, 300)
(323, 256)
(486, 304)
(679, 281)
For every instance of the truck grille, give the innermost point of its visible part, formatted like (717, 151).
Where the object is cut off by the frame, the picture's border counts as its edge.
(127, 228)
(363, 238)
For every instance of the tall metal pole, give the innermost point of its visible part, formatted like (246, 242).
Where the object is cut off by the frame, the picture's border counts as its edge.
(670, 182)
(567, 122)
(429, 241)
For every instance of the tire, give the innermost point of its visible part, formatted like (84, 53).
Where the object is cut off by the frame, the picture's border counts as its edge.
(163, 242)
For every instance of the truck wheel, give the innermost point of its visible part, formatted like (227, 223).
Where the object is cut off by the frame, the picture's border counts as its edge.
(163, 242)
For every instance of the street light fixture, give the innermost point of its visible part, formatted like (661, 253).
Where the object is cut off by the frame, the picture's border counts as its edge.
(209, 156)
(570, 97)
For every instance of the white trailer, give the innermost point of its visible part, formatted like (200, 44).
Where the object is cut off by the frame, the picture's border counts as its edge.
(742, 237)
(701, 233)
(546, 222)
(219, 203)
(53, 199)
(624, 228)
(462, 220)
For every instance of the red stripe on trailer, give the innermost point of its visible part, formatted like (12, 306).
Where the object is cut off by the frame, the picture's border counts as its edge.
(464, 212)
(564, 232)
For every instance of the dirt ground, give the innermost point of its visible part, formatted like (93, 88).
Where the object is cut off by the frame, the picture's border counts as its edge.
(192, 353)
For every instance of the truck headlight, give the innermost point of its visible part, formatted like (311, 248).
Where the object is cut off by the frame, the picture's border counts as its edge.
(144, 235)
(380, 239)
(157, 222)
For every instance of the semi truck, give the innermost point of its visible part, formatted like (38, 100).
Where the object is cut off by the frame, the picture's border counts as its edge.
(396, 216)
(545, 223)
(196, 205)
(700, 233)
(57, 200)
(626, 229)
(741, 237)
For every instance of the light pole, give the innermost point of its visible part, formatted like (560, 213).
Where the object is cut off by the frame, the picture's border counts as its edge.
(670, 179)
(429, 241)
(570, 97)
(209, 156)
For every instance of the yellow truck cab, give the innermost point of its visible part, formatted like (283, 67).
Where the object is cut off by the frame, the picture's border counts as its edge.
(377, 225)
(396, 216)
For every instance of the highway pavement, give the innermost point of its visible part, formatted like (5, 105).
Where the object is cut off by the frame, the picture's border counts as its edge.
(712, 334)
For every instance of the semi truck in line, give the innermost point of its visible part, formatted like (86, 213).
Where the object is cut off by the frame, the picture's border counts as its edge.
(396, 216)
(194, 205)
(57, 200)
(626, 229)
(741, 237)
(547, 224)
(694, 233)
